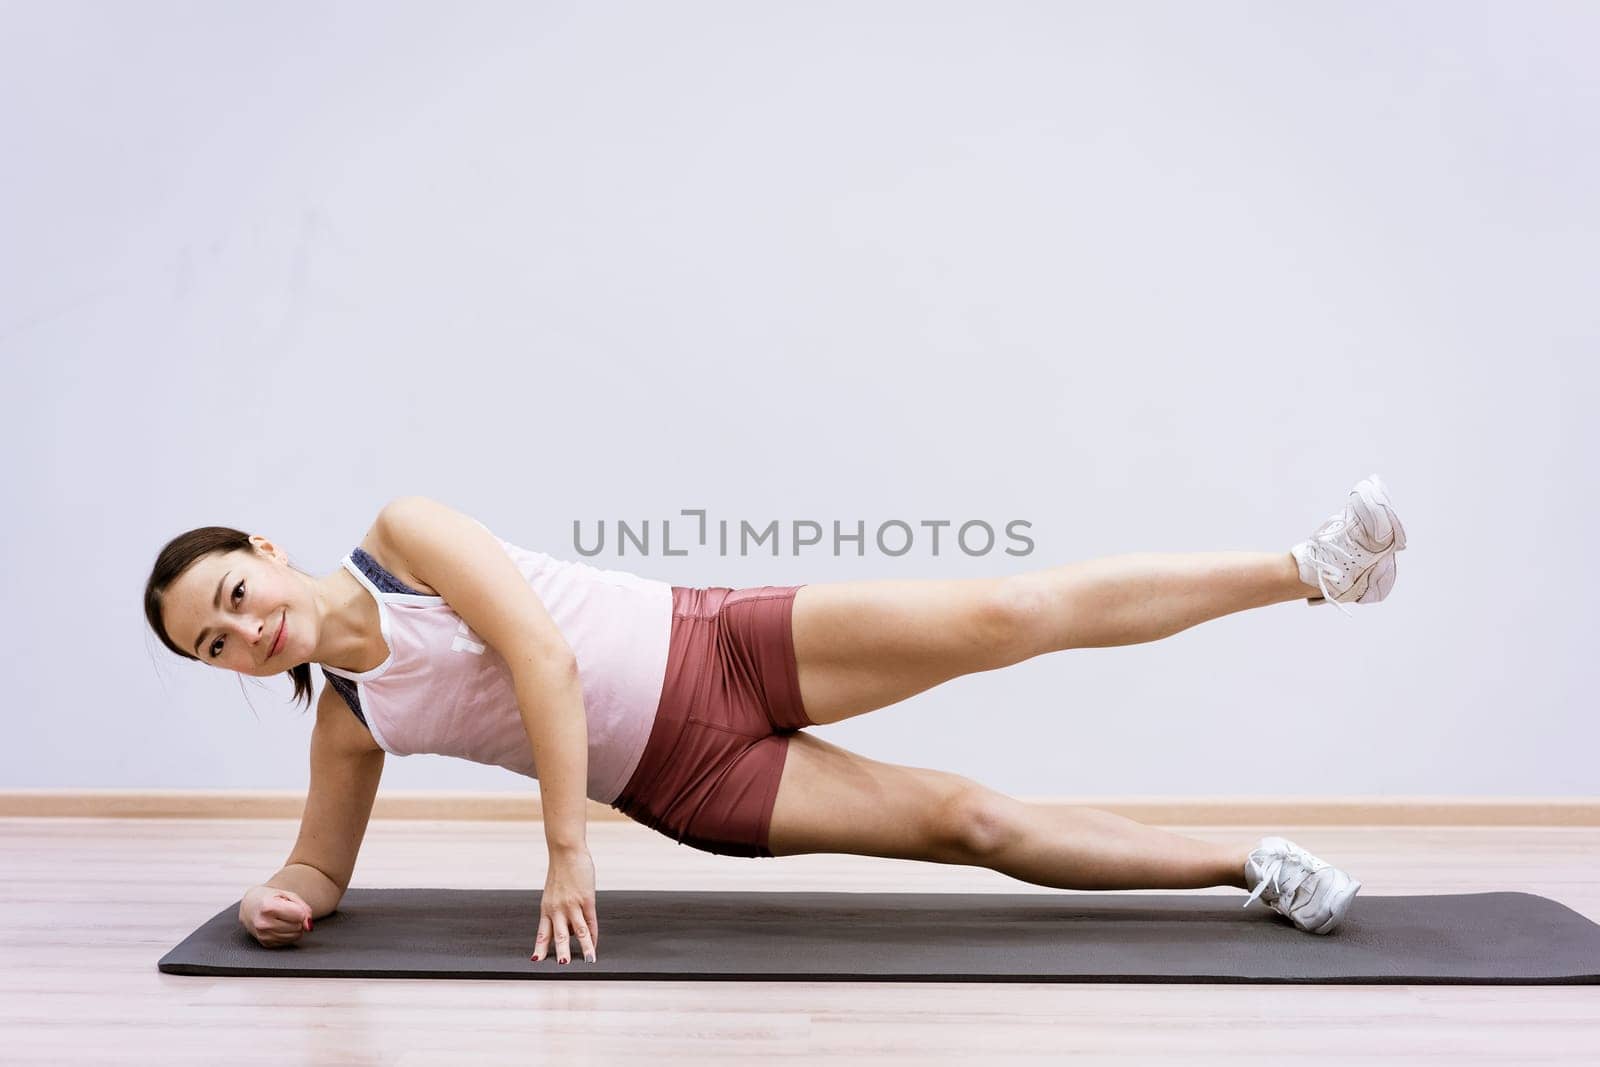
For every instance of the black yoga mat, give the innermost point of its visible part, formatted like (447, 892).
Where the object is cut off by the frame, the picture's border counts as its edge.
(1452, 939)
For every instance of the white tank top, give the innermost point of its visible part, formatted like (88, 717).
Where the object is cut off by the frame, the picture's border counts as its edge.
(443, 690)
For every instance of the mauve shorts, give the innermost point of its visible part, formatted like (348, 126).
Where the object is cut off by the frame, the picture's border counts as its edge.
(709, 773)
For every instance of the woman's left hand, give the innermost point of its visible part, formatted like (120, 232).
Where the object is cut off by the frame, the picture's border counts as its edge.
(568, 906)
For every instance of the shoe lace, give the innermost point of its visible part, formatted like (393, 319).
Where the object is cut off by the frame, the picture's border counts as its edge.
(1321, 552)
(1281, 873)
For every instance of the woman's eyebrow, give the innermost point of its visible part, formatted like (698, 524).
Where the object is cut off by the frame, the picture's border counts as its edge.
(216, 605)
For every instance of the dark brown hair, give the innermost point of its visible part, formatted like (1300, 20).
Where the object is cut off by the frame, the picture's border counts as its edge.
(179, 555)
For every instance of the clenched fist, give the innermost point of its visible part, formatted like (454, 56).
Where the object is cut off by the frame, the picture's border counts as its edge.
(274, 916)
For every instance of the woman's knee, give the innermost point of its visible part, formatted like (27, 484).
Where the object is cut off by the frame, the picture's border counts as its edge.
(980, 822)
(1016, 616)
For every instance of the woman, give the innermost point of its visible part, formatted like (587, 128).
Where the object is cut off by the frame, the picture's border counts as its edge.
(686, 708)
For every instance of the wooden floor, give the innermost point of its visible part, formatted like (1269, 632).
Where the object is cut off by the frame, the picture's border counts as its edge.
(92, 904)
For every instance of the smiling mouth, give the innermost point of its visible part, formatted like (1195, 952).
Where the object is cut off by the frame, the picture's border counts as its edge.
(282, 625)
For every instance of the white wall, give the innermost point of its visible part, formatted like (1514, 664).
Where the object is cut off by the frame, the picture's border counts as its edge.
(1148, 276)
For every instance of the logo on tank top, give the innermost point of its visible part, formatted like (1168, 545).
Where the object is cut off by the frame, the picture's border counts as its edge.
(466, 640)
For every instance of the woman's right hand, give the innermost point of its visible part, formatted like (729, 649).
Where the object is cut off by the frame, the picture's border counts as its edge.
(274, 916)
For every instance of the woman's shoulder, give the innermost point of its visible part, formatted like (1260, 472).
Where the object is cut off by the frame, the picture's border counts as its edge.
(374, 545)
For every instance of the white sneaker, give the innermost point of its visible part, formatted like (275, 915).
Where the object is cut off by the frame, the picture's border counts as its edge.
(1312, 894)
(1351, 556)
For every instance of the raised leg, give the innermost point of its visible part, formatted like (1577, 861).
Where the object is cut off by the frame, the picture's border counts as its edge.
(868, 644)
(1145, 596)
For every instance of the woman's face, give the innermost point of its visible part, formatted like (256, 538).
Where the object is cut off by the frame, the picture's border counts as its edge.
(226, 609)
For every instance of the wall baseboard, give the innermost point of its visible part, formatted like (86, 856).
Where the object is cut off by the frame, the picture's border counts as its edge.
(1161, 811)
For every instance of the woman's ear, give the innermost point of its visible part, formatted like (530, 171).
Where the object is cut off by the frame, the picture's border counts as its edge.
(267, 548)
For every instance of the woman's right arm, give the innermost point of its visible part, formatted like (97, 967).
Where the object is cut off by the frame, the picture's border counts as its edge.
(346, 765)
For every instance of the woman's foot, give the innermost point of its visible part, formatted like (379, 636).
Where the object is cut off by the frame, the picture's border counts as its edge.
(1351, 556)
(1309, 892)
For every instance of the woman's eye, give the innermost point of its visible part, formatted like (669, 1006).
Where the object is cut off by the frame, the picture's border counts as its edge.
(216, 646)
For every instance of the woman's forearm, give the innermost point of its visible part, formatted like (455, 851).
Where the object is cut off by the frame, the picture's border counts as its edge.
(551, 701)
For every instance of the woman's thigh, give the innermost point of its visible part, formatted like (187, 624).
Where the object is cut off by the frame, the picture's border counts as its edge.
(864, 645)
(833, 800)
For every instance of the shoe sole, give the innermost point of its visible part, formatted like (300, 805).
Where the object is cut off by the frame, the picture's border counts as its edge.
(1376, 511)
(1379, 580)
(1341, 907)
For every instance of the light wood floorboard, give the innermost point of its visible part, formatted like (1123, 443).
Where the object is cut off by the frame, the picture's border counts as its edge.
(92, 904)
